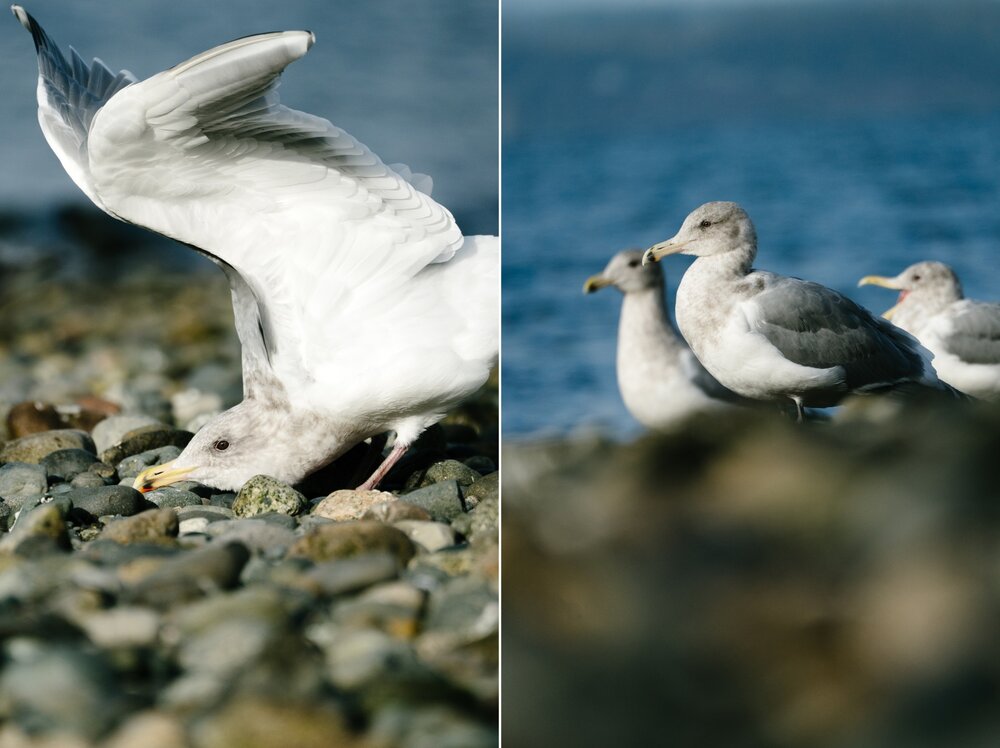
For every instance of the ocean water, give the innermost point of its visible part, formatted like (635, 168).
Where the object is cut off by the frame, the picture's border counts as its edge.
(415, 81)
(832, 201)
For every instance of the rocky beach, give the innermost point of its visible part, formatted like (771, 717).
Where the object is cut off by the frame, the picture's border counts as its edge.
(749, 581)
(312, 615)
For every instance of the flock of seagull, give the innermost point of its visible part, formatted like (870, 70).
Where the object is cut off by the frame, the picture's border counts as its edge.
(751, 336)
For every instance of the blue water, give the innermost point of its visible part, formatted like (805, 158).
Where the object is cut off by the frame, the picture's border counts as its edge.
(831, 202)
(415, 81)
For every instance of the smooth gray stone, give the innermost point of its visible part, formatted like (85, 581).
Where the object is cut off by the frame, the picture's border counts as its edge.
(256, 534)
(442, 500)
(353, 574)
(144, 439)
(34, 447)
(110, 431)
(211, 513)
(131, 466)
(192, 574)
(171, 497)
(107, 500)
(66, 464)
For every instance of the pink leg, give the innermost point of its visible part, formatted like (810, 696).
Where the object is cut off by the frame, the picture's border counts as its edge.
(398, 450)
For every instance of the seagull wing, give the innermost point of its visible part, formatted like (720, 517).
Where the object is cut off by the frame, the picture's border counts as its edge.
(815, 326)
(317, 228)
(70, 93)
(973, 333)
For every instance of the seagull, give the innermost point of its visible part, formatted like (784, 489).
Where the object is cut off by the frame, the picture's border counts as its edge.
(359, 305)
(774, 338)
(660, 379)
(963, 335)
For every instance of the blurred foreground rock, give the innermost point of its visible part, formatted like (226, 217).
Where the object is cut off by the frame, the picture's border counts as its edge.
(751, 582)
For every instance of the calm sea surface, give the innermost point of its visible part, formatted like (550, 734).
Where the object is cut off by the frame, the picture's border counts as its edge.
(831, 203)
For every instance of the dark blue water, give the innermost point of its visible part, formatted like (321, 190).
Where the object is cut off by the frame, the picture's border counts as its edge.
(415, 81)
(831, 202)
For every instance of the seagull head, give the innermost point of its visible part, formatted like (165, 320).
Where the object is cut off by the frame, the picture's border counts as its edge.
(930, 285)
(712, 229)
(246, 440)
(627, 273)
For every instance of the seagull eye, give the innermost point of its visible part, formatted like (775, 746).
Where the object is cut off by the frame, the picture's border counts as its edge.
(916, 277)
(705, 224)
(221, 446)
(633, 263)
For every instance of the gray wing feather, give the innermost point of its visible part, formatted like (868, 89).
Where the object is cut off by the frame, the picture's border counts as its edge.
(815, 326)
(975, 336)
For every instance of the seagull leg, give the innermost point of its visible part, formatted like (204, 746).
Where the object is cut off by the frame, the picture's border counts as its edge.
(398, 450)
(798, 408)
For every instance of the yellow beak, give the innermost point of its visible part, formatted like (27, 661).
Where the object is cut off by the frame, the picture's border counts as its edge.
(595, 282)
(159, 476)
(881, 280)
(668, 247)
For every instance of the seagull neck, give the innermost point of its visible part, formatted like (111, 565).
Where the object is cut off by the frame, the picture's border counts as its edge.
(732, 265)
(645, 324)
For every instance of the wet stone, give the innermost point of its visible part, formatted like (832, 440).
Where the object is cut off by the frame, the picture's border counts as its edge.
(34, 447)
(107, 500)
(131, 466)
(396, 511)
(20, 482)
(66, 464)
(347, 539)
(263, 494)
(151, 526)
(143, 439)
(443, 501)
(350, 504)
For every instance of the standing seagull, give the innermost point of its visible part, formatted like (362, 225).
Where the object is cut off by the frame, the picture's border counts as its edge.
(770, 337)
(661, 381)
(359, 305)
(963, 335)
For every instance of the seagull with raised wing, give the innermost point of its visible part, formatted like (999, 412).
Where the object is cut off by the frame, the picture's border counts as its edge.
(771, 337)
(360, 306)
(661, 381)
(963, 335)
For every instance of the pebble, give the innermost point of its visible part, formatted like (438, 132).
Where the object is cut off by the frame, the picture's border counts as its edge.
(205, 511)
(150, 729)
(20, 482)
(107, 500)
(191, 575)
(34, 447)
(258, 535)
(347, 504)
(132, 465)
(351, 574)
(346, 539)
(443, 501)
(431, 536)
(112, 429)
(125, 626)
(151, 526)
(255, 722)
(30, 417)
(262, 494)
(454, 470)
(193, 525)
(66, 464)
(482, 523)
(487, 487)
(144, 439)
(396, 511)
(172, 497)
(40, 531)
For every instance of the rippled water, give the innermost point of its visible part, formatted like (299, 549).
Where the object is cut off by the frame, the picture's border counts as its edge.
(831, 202)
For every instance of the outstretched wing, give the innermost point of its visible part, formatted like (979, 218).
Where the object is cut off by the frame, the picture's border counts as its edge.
(815, 326)
(318, 228)
(70, 92)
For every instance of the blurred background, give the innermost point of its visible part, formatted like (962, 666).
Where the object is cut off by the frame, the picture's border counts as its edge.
(861, 136)
(744, 581)
(89, 305)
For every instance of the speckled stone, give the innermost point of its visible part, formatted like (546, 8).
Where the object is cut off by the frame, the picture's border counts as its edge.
(346, 539)
(132, 465)
(262, 494)
(444, 470)
(34, 447)
(487, 487)
(348, 504)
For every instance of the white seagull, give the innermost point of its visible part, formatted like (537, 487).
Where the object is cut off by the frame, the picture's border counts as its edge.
(963, 335)
(770, 337)
(359, 305)
(660, 379)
